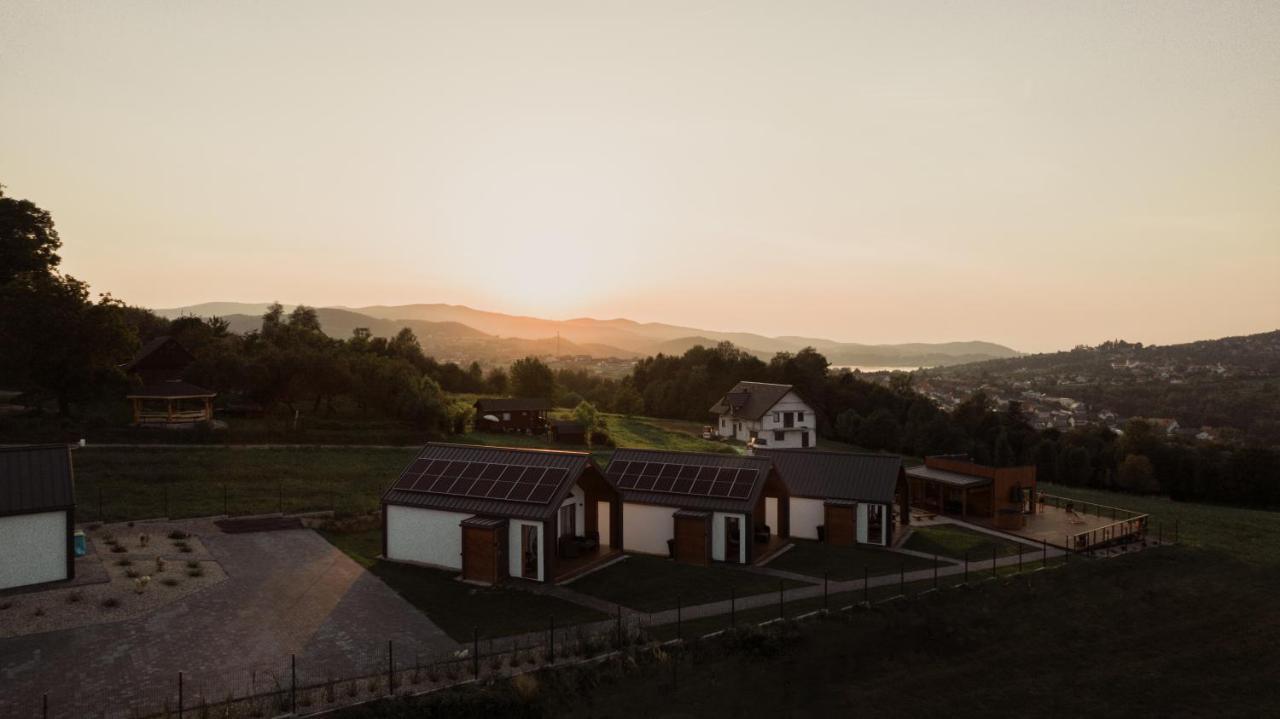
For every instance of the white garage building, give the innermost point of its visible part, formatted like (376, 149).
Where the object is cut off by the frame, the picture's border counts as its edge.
(37, 515)
(697, 507)
(841, 497)
(497, 512)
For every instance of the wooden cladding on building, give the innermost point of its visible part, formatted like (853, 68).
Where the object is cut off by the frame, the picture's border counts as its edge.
(839, 519)
(693, 537)
(483, 555)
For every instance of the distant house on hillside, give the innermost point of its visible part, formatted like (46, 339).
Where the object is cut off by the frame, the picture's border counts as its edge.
(160, 397)
(37, 515)
(512, 415)
(766, 415)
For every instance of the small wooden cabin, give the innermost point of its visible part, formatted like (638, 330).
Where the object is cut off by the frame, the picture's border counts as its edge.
(954, 484)
(497, 512)
(512, 414)
(159, 395)
(37, 515)
(568, 433)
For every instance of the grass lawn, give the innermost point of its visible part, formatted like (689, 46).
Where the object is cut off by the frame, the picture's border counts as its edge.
(646, 433)
(134, 482)
(813, 558)
(456, 607)
(954, 541)
(1250, 534)
(651, 584)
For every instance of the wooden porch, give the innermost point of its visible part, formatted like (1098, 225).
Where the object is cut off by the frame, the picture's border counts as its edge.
(570, 568)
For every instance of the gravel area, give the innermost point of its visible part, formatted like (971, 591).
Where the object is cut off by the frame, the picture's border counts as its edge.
(151, 571)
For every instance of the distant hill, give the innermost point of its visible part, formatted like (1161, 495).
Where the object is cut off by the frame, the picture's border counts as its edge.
(498, 334)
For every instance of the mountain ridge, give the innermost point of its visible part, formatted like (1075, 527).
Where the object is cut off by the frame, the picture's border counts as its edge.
(616, 337)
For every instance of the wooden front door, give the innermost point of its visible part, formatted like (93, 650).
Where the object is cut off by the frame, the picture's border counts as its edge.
(693, 545)
(530, 557)
(481, 554)
(840, 524)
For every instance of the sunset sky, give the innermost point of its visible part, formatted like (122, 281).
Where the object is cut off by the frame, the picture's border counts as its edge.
(1036, 174)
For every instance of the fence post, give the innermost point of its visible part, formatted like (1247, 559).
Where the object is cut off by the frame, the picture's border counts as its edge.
(733, 605)
(45, 711)
(391, 669)
(935, 571)
(824, 590)
(679, 628)
(179, 695)
(966, 566)
(1044, 553)
(866, 586)
(782, 614)
(551, 643)
(293, 683)
(475, 651)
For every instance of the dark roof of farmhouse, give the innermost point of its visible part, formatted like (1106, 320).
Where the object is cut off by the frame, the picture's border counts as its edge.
(512, 404)
(163, 352)
(836, 475)
(169, 389)
(36, 478)
(750, 400)
(496, 481)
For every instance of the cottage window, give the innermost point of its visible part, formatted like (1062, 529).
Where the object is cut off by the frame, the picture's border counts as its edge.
(799, 416)
(777, 417)
(506, 416)
(787, 419)
(568, 520)
(779, 435)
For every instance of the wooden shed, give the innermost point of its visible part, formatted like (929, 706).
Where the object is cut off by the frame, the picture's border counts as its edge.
(512, 414)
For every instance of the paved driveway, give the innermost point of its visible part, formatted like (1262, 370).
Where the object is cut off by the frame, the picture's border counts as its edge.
(287, 592)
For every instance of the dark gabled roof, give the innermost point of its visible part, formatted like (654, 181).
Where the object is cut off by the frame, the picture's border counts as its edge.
(751, 400)
(448, 477)
(512, 404)
(836, 475)
(164, 350)
(954, 479)
(36, 479)
(621, 465)
(169, 389)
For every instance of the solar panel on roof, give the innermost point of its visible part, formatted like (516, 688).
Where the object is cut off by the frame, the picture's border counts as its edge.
(707, 473)
(663, 484)
(437, 466)
(474, 469)
(645, 482)
(720, 489)
(682, 486)
(669, 470)
(511, 474)
(521, 491)
(700, 488)
(480, 488)
(500, 490)
(532, 475)
(492, 471)
(628, 482)
(553, 477)
(619, 468)
(688, 471)
(651, 469)
(541, 493)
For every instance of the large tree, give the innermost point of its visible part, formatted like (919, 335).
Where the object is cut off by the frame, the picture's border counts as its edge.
(56, 342)
(530, 377)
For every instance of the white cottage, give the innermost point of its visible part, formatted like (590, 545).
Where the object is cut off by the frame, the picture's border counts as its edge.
(841, 497)
(766, 415)
(496, 512)
(37, 515)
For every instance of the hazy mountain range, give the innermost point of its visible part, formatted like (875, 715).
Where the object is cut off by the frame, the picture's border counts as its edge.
(461, 333)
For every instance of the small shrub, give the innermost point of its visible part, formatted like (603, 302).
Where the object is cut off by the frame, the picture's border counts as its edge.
(74, 597)
(353, 689)
(197, 572)
(118, 548)
(526, 687)
(124, 562)
(178, 534)
(169, 582)
(39, 612)
(433, 673)
(132, 573)
(375, 684)
(193, 564)
(328, 694)
(110, 603)
(159, 565)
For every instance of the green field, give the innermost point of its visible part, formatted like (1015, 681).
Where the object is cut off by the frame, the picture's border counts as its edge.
(956, 542)
(651, 584)
(456, 607)
(140, 483)
(812, 558)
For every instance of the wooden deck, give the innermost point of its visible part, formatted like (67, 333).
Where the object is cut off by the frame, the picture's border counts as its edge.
(1055, 525)
(765, 551)
(567, 569)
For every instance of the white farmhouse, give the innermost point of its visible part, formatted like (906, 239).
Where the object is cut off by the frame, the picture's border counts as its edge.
(766, 415)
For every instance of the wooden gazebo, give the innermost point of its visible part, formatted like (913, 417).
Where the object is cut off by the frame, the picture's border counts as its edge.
(159, 395)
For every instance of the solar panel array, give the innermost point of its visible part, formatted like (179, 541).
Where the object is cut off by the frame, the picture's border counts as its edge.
(686, 479)
(482, 480)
